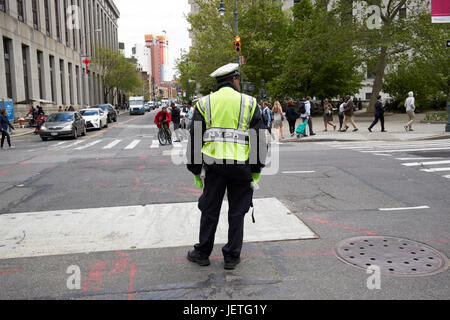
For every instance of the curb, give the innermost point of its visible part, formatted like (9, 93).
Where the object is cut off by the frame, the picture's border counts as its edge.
(21, 134)
(437, 137)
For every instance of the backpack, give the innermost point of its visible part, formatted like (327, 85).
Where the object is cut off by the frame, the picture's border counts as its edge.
(302, 108)
(266, 116)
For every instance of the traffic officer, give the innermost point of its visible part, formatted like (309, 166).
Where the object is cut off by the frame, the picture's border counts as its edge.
(227, 145)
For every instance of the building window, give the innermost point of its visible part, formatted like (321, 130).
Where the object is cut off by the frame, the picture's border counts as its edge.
(40, 70)
(58, 30)
(47, 18)
(74, 30)
(35, 6)
(7, 58)
(20, 12)
(65, 24)
(402, 13)
(69, 72)
(3, 5)
(368, 95)
(63, 83)
(77, 79)
(52, 76)
(25, 72)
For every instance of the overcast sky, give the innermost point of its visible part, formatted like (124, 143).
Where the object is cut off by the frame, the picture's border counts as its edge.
(141, 17)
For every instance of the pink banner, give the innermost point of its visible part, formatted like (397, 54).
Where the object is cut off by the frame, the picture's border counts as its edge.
(440, 11)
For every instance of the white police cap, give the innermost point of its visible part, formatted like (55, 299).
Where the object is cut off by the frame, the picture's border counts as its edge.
(226, 70)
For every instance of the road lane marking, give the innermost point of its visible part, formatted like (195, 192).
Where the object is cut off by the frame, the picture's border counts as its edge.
(424, 158)
(435, 170)
(155, 144)
(405, 208)
(448, 176)
(93, 143)
(141, 227)
(293, 172)
(429, 163)
(132, 145)
(112, 144)
(406, 150)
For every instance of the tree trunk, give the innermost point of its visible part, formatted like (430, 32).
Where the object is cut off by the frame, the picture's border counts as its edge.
(376, 89)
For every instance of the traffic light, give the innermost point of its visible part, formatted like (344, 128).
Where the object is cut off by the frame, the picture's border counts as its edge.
(237, 44)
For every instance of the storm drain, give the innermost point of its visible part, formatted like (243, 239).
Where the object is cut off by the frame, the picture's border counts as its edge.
(394, 256)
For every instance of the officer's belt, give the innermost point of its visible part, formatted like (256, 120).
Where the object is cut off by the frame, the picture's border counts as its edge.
(226, 135)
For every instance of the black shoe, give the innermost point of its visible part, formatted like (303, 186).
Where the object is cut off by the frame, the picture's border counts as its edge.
(198, 258)
(383, 131)
(355, 130)
(312, 134)
(305, 135)
(231, 263)
(370, 129)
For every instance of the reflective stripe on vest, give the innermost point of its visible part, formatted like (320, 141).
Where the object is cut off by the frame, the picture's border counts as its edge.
(226, 135)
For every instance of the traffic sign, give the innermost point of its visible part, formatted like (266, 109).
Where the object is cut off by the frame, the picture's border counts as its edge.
(241, 60)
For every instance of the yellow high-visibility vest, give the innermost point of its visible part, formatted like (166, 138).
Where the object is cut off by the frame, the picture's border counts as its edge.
(227, 115)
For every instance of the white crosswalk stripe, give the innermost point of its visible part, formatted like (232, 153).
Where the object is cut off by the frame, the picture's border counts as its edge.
(435, 170)
(155, 144)
(389, 149)
(132, 145)
(93, 143)
(112, 144)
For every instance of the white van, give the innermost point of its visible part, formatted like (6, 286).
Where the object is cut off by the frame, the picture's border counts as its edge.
(137, 105)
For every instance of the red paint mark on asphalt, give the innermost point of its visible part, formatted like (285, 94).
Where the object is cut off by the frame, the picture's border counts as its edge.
(136, 186)
(23, 164)
(141, 168)
(438, 240)
(4, 171)
(133, 272)
(11, 271)
(95, 277)
(94, 281)
(342, 227)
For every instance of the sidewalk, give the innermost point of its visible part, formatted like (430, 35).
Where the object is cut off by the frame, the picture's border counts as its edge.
(21, 131)
(394, 124)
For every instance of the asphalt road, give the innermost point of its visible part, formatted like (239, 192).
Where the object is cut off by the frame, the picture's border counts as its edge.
(335, 189)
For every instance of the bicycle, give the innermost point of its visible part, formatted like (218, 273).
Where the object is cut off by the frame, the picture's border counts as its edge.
(164, 136)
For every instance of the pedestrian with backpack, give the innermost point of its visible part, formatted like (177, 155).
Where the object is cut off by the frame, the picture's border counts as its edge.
(267, 118)
(379, 115)
(306, 115)
(348, 114)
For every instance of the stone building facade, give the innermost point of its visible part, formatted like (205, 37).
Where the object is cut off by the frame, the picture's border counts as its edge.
(43, 44)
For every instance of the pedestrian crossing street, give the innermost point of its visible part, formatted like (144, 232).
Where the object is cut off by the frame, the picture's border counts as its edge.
(111, 144)
(439, 165)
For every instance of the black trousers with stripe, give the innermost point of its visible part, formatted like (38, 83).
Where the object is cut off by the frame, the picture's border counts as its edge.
(240, 194)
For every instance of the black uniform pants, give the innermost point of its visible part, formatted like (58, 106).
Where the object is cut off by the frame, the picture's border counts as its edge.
(378, 116)
(240, 194)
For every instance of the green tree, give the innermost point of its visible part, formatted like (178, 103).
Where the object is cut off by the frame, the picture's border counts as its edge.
(386, 38)
(319, 58)
(116, 71)
(263, 31)
(185, 74)
(425, 70)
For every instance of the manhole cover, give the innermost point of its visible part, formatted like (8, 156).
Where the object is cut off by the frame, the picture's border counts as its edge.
(395, 256)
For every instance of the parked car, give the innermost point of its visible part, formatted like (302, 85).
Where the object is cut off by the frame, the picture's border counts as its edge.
(111, 112)
(95, 118)
(63, 124)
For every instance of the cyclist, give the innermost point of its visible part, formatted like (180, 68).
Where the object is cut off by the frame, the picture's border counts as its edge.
(162, 121)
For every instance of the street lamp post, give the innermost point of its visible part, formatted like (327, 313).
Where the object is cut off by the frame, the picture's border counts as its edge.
(236, 22)
(83, 77)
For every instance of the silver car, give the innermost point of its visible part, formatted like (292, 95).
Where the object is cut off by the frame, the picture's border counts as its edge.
(63, 124)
